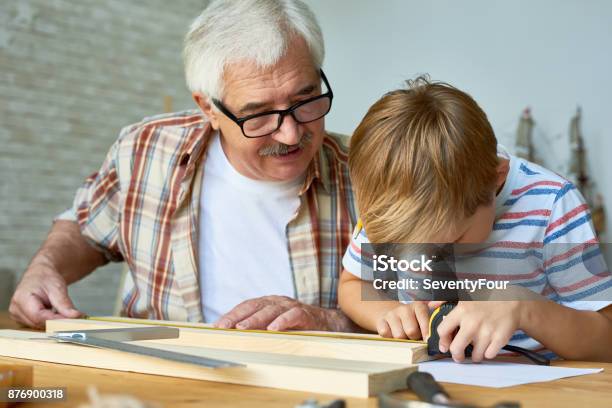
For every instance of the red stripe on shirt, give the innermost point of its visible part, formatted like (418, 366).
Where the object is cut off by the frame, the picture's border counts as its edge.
(583, 283)
(516, 215)
(537, 183)
(570, 252)
(513, 245)
(566, 217)
(512, 277)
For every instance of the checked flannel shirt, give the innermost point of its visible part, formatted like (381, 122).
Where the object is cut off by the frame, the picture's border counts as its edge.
(142, 207)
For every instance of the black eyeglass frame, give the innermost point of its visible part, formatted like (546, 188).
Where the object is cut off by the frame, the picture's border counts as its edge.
(282, 113)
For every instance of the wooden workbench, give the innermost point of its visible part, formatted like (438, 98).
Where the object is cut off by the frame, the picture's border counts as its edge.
(591, 390)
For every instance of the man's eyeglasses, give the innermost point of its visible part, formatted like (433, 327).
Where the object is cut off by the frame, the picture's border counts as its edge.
(265, 123)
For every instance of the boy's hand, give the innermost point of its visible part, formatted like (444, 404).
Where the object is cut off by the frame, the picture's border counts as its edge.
(488, 326)
(405, 321)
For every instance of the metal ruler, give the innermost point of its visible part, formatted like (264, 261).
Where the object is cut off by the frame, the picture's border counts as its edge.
(117, 339)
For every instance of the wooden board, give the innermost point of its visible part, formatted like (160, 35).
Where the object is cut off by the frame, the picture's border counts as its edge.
(311, 374)
(347, 346)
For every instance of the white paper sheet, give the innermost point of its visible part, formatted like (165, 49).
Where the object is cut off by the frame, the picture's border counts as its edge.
(498, 374)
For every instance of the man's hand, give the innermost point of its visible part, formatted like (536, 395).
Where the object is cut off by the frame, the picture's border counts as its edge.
(405, 321)
(41, 295)
(488, 326)
(283, 313)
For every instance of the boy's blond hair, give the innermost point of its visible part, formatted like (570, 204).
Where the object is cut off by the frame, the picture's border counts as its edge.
(421, 161)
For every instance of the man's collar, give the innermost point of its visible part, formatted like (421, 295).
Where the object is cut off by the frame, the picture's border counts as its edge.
(194, 147)
(319, 170)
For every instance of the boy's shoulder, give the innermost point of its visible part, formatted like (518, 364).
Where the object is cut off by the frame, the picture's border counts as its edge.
(532, 175)
(532, 185)
(539, 205)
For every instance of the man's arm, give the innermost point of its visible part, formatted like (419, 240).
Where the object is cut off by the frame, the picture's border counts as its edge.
(64, 258)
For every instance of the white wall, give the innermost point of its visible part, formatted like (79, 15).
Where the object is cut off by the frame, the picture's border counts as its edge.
(72, 74)
(550, 55)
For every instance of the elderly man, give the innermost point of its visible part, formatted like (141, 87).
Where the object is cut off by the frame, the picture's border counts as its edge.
(237, 213)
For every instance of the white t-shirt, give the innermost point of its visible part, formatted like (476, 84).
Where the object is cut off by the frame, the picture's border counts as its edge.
(243, 242)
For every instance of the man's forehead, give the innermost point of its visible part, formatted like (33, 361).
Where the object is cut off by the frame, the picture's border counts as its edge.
(244, 84)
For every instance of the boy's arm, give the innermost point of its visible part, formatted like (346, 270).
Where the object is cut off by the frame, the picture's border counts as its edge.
(378, 313)
(488, 326)
(364, 313)
(570, 333)
(577, 272)
(354, 287)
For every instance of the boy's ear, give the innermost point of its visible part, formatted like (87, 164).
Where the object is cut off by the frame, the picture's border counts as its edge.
(205, 105)
(502, 172)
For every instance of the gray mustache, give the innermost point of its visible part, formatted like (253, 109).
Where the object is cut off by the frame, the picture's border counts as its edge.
(279, 149)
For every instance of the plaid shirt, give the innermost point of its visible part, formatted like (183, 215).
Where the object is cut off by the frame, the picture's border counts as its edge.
(142, 207)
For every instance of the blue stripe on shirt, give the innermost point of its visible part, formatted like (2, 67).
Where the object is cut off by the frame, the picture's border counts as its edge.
(528, 222)
(580, 259)
(563, 231)
(359, 259)
(607, 284)
(533, 191)
(509, 254)
(526, 170)
(566, 187)
(541, 281)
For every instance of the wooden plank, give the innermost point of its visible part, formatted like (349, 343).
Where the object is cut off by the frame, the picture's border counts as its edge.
(361, 347)
(589, 390)
(312, 374)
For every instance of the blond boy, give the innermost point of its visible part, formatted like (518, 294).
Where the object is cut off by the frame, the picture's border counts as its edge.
(426, 168)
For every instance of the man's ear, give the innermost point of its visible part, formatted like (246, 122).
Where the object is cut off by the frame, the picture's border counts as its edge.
(502, 172)
(205, 105)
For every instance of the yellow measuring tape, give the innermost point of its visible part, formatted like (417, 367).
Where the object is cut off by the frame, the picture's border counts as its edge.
(333, 335)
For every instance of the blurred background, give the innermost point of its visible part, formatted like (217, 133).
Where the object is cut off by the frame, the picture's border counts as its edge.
(74, 72)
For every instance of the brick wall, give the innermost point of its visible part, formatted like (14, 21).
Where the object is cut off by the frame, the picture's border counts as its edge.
(72, 73)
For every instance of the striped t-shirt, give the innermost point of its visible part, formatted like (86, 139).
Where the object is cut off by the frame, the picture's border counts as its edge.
(542, 237)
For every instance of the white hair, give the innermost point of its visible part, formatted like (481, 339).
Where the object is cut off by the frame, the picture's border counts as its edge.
(254, 30)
